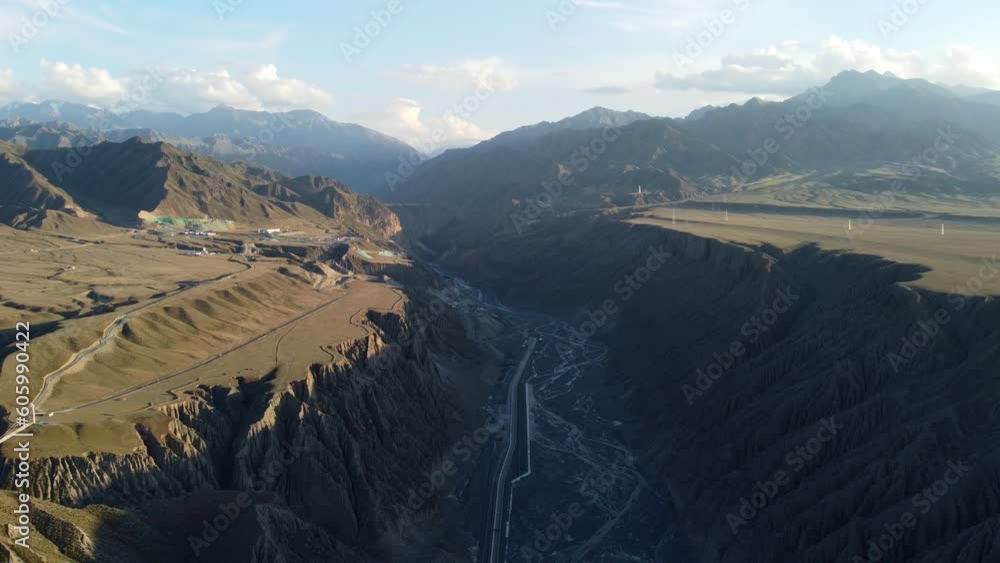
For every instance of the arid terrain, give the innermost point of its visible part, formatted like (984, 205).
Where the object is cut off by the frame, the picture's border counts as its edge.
(167, 361)
(733, 353)
(908, 238)
(764, 332)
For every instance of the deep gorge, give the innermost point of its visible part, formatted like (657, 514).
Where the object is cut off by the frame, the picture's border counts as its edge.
(731, 363)
(827, 357)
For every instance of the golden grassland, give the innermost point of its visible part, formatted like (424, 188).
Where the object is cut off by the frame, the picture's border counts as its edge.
(816, 192)
(952, 259)
(124, 536)
(48, 279)
(149, 322)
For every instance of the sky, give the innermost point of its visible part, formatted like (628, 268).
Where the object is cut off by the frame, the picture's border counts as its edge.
(463, 71)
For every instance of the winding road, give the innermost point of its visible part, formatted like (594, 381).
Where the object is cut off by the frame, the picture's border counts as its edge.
(107, 336)
(497, 528)
(49, 379)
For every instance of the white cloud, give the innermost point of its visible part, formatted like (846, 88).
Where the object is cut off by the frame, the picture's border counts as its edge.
(405, 119)
(767, 71)
(92, 84)
(184, 90)
(968, 66)
(463, 131)
(191, 90)
(838, 54)
(6, 80)
(289, 93)
(789, 68)
(490, 74)
(610, 90)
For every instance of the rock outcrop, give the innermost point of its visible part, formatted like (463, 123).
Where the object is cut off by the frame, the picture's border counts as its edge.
(325, 460)
(737, 363)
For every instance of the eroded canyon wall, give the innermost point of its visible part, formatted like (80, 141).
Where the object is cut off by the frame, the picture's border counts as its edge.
(801, 406)
(320, 469)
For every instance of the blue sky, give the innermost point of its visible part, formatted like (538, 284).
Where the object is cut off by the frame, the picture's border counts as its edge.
(510, 63)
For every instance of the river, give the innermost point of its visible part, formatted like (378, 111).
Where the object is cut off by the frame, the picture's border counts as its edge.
(583, 499)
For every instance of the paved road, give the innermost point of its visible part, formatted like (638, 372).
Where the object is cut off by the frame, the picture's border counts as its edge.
(48, 380)
(494, 540)
(139, 387)
(108, 335)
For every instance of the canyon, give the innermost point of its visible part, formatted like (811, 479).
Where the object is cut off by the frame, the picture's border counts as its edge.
(599, 339)
(731, 358)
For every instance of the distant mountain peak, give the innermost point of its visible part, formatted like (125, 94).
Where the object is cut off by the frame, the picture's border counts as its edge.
(596, 117)
(602, 113)
(701, 112)
(596, 110)
(855, 75)
(599, 116)
(295, 142)
(855, 72)
(856, 85)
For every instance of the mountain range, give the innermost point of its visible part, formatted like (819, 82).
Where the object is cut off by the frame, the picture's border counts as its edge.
(373, 364)
(594, 118)
(135, 182)
(843, 135)
(295, 142)
(937, 141)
